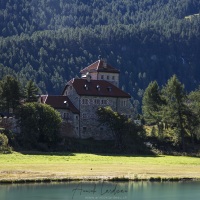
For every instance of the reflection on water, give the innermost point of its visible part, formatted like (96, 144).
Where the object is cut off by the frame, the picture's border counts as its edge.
(102, 191)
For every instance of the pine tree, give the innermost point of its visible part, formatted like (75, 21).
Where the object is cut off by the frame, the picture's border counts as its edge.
(175, 108)
(151, 103)
(10, 93)
(193, 115)
(31, 91)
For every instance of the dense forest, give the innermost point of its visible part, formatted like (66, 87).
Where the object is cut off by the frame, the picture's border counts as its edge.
(50, 41)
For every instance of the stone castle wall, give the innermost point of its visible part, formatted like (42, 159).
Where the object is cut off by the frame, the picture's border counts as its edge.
(73, 96)
(86, 125)
(89, 125)
(70, 123)
(125, 107)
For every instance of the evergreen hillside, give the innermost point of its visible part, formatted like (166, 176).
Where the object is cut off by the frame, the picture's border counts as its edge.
(51, 41)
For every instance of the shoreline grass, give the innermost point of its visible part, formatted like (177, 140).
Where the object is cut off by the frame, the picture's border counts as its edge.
(115, 179)
(58, 167)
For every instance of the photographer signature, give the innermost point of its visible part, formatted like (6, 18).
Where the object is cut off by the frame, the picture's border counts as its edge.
(103, 190)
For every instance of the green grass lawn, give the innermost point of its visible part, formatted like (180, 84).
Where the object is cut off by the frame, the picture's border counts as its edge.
(18, 166)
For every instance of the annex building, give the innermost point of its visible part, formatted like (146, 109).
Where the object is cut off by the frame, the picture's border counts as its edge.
(81, 97)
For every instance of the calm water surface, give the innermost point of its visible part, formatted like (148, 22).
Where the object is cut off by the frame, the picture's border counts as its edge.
(102, 191)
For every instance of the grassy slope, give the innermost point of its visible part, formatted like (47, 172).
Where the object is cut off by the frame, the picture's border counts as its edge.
(21, 166)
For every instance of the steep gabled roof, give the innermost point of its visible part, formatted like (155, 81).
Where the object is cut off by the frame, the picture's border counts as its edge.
(99, 88)
(59, 102)
(99, 66)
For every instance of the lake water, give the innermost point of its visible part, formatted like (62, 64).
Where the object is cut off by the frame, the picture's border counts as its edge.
(102, 191)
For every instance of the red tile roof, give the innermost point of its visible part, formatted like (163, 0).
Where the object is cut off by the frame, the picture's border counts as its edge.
(99, 66)
(96, 88)
(57, 102)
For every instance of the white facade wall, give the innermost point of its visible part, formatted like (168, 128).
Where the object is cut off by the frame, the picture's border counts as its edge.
(94, 76)
(110, 77)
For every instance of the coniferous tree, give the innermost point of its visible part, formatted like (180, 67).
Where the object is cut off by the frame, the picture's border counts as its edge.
(175, 108)
(31, 91)
(194, 115)
(10, 93)
(1, 99)
(151, 103)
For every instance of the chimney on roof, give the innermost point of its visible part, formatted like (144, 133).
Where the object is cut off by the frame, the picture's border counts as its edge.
(86, 86)
(66, 104)
(88, 77)
(98, 87)
(104, 63)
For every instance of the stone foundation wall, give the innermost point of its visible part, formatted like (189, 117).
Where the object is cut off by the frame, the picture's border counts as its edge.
(70, 123)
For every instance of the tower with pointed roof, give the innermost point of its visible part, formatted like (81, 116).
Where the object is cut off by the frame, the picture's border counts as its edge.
(101, 70)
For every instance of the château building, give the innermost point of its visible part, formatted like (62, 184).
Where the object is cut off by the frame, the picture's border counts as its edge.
(81, 97)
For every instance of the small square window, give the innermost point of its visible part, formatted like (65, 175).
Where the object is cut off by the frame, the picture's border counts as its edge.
(123, 103)
(66, 115)
(91, 101)
(96, 101)
(84, 115)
